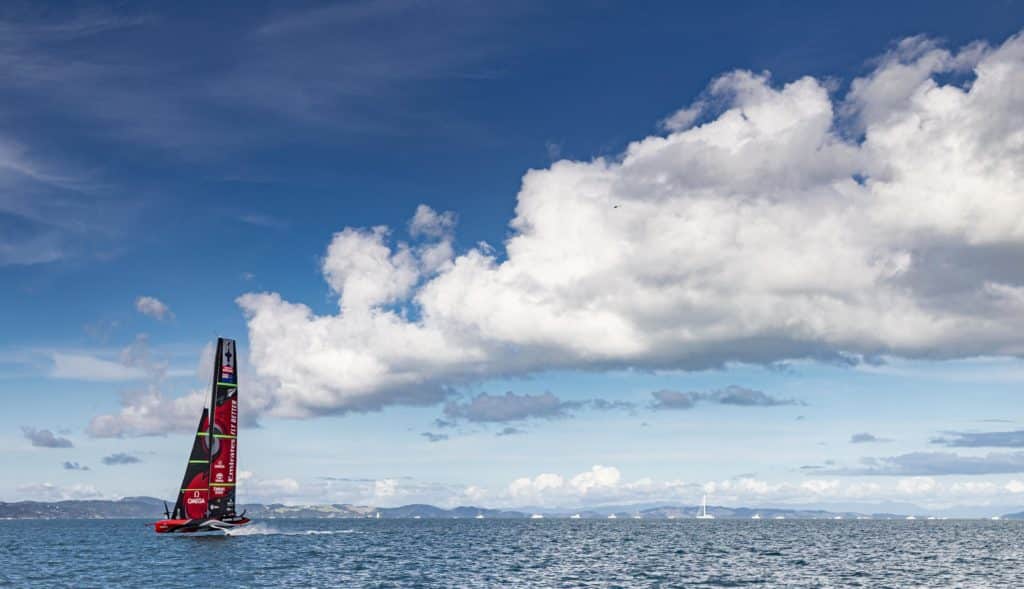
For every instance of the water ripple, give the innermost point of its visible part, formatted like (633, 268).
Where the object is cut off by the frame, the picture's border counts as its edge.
(507, 553)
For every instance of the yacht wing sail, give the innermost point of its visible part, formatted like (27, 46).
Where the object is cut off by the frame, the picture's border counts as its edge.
(206, 500)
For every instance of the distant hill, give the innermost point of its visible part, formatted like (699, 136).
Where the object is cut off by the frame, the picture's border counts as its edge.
(149, 507)
(128, 507)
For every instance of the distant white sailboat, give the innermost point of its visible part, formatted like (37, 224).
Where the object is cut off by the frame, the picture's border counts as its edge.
(780, 517)
(704, 509)
(417, 517)
(613, 516)
(838, 517)
(479, 516)
(995, 518)
(910, 517)
(756, 516)
(574, 516)
(536, 516)
(671, 516)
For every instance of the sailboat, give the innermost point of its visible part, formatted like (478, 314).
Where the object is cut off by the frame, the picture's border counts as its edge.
(704, 509)
(206, 500)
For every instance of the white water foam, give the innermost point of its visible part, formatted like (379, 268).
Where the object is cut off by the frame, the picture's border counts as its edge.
(266, 530)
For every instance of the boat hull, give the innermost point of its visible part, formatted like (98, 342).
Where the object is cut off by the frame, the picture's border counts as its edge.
(192, 526)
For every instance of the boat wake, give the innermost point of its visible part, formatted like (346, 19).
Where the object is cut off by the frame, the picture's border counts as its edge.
(266, 530)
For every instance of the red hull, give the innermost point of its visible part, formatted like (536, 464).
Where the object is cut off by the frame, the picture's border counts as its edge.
(190, 526)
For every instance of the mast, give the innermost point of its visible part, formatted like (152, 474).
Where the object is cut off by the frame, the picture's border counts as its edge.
(209, 430)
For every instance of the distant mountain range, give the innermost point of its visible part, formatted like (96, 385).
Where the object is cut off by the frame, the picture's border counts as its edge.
(149, 507)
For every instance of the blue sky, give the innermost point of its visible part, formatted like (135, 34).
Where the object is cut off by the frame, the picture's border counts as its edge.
(662, 251)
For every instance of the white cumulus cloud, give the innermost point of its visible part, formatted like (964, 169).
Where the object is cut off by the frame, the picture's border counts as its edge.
(789, 224)
(73, 366)
(153, 307)
(52, 492)
(916, 485)
(151, 411)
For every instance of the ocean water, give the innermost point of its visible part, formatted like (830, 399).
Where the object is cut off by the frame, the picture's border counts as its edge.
(513, 553)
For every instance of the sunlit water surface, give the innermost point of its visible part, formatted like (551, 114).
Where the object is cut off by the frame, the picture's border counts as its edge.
(512, 553)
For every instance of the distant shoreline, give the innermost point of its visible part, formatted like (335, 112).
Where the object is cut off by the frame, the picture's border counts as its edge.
(150, 507)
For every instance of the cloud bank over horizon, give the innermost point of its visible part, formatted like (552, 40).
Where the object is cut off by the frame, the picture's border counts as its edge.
(607, 485)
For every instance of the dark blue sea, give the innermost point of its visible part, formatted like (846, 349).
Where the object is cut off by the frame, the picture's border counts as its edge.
(512, 553)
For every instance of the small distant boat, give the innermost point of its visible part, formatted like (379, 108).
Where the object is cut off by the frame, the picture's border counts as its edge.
(779, 517)
(863, 517)
(574, 516)
(756, 516)
(376, 515)
(910, 517)
(931, 517)
(417, 517)
(838, 517)
(995, 518)
(704, 509)
(536, 516)
(638, 516)
(479, 516)
(613, 516)
(670, 516)
(206, 499)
